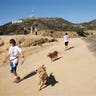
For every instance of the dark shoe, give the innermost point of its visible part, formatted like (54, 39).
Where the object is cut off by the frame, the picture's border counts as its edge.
(17, 80)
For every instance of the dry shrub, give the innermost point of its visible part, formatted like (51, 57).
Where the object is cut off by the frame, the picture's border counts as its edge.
(58, 34)
(91, 40)
(1, 42)
(20, 40)
(53, 40)
(23, 41)
(43, 40)
(26, 42)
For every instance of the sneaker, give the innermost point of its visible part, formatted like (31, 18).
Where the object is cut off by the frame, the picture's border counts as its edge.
(17, 80)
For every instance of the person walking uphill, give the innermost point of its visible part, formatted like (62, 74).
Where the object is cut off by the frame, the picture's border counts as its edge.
(66, 41)
(34, 29)
(13, 53)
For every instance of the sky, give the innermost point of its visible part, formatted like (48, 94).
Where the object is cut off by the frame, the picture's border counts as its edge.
(75, 11)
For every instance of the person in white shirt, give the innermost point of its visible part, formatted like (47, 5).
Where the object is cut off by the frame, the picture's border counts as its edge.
(31, 28)
(36, 30)
(13, 53)
(66, 40)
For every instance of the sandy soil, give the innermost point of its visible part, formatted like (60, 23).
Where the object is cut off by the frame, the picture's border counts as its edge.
(75, 71)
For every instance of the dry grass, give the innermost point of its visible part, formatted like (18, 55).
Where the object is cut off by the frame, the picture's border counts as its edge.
(1, 42)
(91, 32)
(91, 43)
(27, 42)
(57, 34)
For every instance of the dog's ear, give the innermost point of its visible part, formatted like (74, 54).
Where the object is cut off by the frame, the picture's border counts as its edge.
(43, 65)
(48, 54)
(57, 52)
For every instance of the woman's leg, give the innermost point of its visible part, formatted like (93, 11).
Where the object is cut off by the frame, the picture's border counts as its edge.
(15, 73)
(13, 69)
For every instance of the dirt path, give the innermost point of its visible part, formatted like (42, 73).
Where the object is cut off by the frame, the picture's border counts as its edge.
(75, 72)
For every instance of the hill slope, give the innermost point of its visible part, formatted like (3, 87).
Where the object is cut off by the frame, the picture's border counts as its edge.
(57, 24)
(90, 25)
(43, 24)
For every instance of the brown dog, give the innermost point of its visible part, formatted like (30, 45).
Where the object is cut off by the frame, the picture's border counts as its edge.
(53, 55)
(42, 76)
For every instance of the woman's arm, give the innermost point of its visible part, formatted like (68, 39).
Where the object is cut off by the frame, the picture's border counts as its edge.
(6, 58)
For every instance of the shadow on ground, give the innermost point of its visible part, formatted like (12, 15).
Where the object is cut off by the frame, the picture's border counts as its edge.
(71, 47)
(57, 59)
(51, 80)
(29, 75)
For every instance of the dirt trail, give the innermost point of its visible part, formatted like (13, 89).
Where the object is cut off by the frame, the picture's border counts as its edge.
(75, 71)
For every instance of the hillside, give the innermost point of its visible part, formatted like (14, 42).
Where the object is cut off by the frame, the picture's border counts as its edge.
(90, 25)
(43, 24)
(56, 24)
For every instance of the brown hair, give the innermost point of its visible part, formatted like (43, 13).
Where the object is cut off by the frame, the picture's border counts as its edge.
(66, 33)
(12, 41)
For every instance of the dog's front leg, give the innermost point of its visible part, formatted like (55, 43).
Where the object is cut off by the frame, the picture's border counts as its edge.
(39, 82)
(42, 84)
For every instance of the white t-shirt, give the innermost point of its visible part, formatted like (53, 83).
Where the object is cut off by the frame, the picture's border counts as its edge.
(31, 29)
(66, 38)
(14, 52)
(36, 29)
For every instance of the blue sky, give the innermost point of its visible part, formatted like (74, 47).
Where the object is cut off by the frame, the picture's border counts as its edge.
(75, 11)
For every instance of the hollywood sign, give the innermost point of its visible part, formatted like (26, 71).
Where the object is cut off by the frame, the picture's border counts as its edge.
(16, 21)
